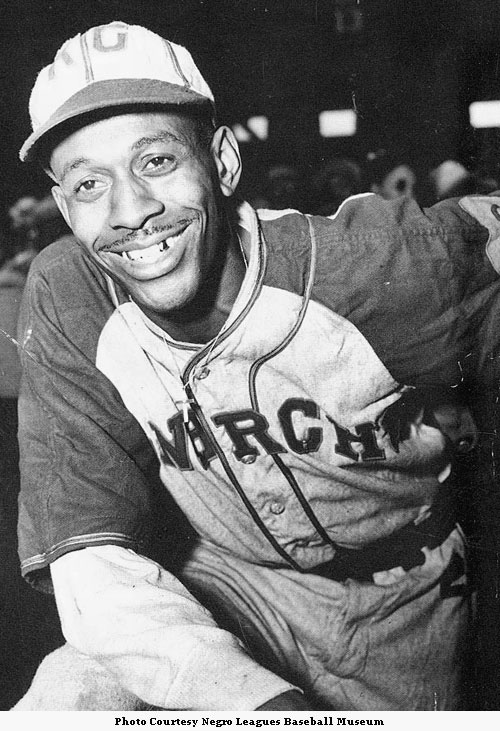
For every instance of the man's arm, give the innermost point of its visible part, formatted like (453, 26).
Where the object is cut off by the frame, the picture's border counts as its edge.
(141, 623)
(416, 283)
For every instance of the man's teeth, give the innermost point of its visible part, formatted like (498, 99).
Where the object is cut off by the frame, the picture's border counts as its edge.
(152, 252)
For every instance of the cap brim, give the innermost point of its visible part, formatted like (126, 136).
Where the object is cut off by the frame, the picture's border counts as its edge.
(114, 93)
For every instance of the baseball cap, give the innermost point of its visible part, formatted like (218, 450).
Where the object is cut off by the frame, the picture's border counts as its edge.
(109, 66)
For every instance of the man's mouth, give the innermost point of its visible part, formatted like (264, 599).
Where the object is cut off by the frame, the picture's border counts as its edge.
(150, 253)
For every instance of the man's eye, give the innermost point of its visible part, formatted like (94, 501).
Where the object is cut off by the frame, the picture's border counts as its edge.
(159, 162)
(87, 186)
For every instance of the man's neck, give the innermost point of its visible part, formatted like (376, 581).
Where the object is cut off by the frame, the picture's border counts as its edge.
(202, 319)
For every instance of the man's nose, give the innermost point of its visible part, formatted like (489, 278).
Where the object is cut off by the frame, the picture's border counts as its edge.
(132, 204)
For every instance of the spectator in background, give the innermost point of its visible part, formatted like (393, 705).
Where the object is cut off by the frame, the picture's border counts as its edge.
(451, 179)
(22, 213)
(336, 180)
(282, 189)
(390, 177)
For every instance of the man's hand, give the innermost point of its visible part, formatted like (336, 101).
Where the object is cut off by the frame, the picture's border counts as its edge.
(292, 700)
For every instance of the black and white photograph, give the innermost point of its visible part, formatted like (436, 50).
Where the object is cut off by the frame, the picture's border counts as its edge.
(249, 359)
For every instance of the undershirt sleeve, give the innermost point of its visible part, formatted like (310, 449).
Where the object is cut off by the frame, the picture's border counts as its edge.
(166, 648)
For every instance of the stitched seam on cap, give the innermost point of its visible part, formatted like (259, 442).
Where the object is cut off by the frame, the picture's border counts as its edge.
(89, 76)
(175, 62)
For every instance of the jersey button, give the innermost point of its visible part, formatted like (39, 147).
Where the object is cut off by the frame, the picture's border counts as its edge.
(202, 374)
(277, 508)
(248, 458)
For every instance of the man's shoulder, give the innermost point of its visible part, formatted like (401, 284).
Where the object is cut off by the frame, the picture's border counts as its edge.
(359, 217)
(57, 258)
(370, 229)
(64, 287)
(364, 227)
(63, 269)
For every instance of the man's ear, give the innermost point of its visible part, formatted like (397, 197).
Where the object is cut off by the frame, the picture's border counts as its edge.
(59, 198)
(226, 154)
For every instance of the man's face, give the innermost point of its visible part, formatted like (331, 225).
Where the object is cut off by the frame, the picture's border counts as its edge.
(143, 198)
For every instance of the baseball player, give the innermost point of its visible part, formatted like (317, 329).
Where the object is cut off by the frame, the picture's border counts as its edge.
(290, 383)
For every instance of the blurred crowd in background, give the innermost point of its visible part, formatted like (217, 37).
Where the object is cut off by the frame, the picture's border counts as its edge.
(382, 172)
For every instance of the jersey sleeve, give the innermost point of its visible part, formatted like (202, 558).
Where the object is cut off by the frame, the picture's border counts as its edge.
(416, 282)
(86, 466)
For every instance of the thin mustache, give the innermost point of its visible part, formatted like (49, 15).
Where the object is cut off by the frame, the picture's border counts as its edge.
(144, 233)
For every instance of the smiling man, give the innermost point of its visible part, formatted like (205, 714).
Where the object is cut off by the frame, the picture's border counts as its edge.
(288, 382)
(143, 194)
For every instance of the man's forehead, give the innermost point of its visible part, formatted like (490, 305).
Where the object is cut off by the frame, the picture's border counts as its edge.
(127, 132)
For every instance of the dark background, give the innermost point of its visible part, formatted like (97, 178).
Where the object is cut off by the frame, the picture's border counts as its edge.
(409, 67)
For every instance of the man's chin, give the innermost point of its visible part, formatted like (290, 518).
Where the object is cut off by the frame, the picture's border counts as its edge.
(157, 298)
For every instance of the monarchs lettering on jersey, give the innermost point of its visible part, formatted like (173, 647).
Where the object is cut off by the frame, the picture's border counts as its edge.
(241, 425)
(174, 451)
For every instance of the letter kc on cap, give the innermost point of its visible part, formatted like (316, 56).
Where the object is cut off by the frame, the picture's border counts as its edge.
(112, 65)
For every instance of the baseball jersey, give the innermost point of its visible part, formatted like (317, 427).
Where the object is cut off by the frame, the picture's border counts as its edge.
(313, 420)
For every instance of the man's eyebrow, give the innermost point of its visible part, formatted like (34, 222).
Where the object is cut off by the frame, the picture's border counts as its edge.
(163, 136)
(73, 165)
